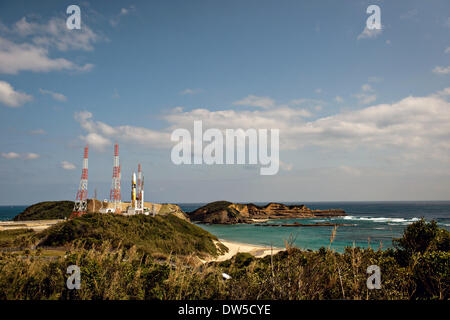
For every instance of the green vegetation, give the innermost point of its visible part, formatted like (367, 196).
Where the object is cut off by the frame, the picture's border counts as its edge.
(421, 237)
(417, 268)
(217, 205)
(158, 236)
(15, 238)
(46, 210)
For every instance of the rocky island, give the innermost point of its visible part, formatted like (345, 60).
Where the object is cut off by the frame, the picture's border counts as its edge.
(224, 212)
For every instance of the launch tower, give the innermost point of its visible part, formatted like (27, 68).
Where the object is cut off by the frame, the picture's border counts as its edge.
(115, 195)
(80, 207)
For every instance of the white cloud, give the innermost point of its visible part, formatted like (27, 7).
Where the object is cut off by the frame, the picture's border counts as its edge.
(318, 91)
(255, 101)
(55, 95)
(312, 104)
(443, 93)
(99, 133)
(37, 38)
(232, 119)
(441, 70)
(66, 165)
(24, 28)
(26, 156)
(367, 88)
(11, 97)
(82, 116)
(38, 132)
(97, 141)
(54, 33)
(413, 125)
(15, 58)
(190, 91)
(31, 156)
(367, 33)
(366, 95)
(123, 12)
(339, 99)
(307, 102)
(447, 50)
(10, 155)
(412, 122)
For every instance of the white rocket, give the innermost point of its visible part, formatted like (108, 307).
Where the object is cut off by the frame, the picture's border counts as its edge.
(141, 196)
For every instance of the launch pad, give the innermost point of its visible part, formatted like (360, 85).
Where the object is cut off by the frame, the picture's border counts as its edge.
(115, 204)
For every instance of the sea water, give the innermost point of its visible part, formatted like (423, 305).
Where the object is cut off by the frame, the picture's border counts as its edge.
(374, 224)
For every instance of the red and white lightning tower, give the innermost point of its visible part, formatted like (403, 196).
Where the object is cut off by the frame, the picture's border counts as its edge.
(80, 207)
(115, 195)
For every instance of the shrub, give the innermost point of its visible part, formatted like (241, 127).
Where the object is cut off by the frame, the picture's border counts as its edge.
(419, 237)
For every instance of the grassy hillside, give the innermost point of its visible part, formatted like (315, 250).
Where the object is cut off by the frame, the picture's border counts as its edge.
(62, 209)
(160, 235)
(15, 238)
(46, 210)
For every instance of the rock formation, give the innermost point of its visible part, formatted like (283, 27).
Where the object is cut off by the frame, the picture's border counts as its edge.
(224, 212)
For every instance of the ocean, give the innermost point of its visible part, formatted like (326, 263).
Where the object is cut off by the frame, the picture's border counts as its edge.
(374, 223)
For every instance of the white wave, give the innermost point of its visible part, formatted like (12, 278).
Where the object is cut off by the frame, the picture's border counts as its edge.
(381, 219)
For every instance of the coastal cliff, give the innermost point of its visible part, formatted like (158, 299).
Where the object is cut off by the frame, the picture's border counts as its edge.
(224, 212)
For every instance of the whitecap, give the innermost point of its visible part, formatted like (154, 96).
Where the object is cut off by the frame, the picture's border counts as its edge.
(381, 219)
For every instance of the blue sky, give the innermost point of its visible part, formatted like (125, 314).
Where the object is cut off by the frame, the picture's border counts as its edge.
(362, 116)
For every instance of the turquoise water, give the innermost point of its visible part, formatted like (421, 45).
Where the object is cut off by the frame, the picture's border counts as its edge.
(374, 222)
(9, 212)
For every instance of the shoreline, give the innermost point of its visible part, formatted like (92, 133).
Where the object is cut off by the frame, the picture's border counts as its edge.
(258, 251)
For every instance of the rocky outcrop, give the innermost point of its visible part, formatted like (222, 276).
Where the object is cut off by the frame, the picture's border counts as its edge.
(169, 208)
(224, 212)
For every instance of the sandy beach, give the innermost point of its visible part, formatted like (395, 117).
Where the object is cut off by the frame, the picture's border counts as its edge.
(36, 225)
(255, 250)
